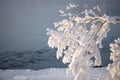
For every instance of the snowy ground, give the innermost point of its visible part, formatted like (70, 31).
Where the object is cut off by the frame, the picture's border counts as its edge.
(49, 74)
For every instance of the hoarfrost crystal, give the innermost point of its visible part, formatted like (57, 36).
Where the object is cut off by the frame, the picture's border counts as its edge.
(78, 39)
(114, 68)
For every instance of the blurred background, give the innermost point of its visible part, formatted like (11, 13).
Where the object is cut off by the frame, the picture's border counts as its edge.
(23, 24)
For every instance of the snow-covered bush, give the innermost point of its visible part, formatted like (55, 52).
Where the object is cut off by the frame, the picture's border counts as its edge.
(114, 68)
(79, 37)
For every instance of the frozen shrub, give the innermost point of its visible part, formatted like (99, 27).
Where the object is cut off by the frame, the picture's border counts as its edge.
(79, 37)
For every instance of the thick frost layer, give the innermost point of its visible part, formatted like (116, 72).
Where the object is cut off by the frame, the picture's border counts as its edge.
(114, 68)
(78, 39)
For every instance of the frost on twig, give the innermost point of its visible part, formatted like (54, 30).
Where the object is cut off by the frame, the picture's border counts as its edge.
(78, 39)
(114, 68)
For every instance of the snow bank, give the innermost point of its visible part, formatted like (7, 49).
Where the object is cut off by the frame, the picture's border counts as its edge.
(49, 74)
(45, 74)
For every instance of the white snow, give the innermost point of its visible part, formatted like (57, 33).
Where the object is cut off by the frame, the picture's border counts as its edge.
(114, 68)
(79, 41)
(50, 74)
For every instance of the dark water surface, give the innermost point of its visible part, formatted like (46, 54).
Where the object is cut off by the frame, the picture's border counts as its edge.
(35, 60)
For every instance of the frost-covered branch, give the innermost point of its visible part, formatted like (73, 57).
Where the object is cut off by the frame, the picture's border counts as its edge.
(78, 39)
(114, 68)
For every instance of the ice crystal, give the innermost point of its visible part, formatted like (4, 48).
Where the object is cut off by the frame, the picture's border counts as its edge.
(114, 68)
(78, 39)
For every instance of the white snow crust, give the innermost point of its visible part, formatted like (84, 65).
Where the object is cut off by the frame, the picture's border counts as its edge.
(50, 74)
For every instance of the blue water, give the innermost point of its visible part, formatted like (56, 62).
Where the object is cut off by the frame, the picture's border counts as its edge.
(40, 59)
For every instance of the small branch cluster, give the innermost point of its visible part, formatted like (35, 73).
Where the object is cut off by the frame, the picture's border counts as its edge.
(114, 68)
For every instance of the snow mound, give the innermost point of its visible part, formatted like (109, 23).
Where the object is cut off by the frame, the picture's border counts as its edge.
(50, 74)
